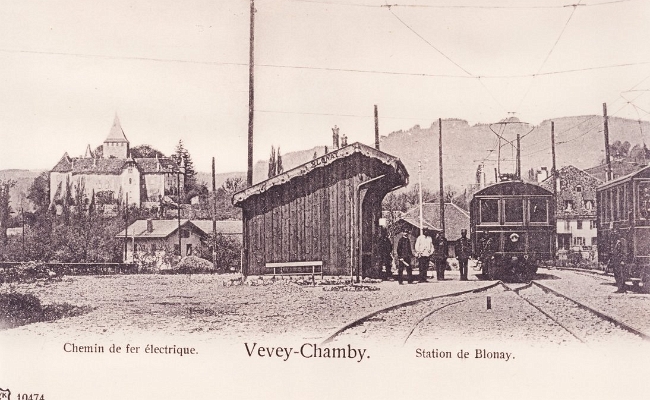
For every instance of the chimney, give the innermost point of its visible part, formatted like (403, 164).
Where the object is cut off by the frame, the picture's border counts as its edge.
(149, 225)
(344, 140)
(335, 137)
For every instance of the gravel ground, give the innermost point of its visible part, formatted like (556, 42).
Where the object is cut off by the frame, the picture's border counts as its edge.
(582, 323)
(510, 319)
(209, 306)
(597, 291)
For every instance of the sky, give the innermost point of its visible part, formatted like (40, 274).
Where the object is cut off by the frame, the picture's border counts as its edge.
(179, 70)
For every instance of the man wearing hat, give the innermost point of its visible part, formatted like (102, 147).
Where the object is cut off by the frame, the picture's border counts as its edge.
(423, 251)
(463, 251)
(404, 255)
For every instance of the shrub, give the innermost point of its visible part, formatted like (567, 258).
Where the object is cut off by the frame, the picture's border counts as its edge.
(193, 265)
(18, 309)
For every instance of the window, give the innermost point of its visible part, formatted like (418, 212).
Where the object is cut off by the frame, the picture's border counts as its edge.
(578, 241)
(588, 204)
(188, 249)
(579, 224)
(644, 200)
(594, 241)
(568, 205)
(130, 181)
(538, 210)
(489, 209)
(579, 189)
(567, 225)
(593, 224)
(177, 249)
(514, 211)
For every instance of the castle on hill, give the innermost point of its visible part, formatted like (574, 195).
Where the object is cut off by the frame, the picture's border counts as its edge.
(113, 175)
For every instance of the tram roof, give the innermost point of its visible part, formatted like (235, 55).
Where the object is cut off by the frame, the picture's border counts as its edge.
(642, 173)
(513, 188)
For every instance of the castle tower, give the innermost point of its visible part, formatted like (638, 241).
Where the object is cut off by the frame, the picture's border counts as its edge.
(116, 144)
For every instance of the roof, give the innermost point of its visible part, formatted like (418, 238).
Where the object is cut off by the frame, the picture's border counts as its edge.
(153, 165)
(513, 187)
(233, 227)
(99, 166)
(321, 162)
(163, 228)
(620, 168)
(116, 134)
(623, 178)
(455, 218)
(64, 164)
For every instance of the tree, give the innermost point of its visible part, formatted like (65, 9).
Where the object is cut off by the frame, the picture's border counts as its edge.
(183, 158)
(233, 185)
(278, 163)
(272, 163)
(38, 192)
(5, 208)
(145, 151)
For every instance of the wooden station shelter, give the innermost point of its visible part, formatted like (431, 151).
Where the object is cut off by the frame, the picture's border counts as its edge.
(325, 210)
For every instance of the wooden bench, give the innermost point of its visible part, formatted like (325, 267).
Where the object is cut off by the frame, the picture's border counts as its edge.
(316, 267)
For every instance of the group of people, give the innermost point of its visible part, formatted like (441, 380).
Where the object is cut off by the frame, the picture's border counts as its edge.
(429, 246)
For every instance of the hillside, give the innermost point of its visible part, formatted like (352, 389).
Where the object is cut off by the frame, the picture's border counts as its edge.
(24, 179)
(579, 142)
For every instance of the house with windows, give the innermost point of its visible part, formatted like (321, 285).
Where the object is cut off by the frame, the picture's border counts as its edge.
(160, 238)
(575, 209)
(113, 175)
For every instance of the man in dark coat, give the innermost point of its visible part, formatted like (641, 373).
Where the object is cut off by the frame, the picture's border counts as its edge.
(463, 252)
(404, 256)
(440, 256)
(385, 248)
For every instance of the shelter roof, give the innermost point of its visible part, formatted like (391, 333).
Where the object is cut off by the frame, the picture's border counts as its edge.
(322, 162)
(642, 171)
(162, 228)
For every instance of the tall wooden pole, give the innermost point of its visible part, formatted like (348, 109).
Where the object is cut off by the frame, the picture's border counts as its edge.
(251, 96)
(376, 128)
(518, 157)
(178, 200)
(554, 179)
(214, 216)
(420, 196)
(608, 161)
(442, 191)
(126, 227)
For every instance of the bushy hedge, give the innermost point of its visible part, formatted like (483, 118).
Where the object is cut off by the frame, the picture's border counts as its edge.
(27, 272)
(193, 265)
(18, 309)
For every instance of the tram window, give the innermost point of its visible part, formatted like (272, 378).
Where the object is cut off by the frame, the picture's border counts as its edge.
(621, 204)
(489, 210)
(644, 200)
(514, 211)
(538, 210)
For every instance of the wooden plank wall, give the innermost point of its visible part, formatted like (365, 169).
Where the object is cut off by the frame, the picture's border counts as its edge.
(308, 218)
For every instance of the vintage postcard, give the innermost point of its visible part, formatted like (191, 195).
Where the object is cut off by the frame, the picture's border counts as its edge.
(324, 199)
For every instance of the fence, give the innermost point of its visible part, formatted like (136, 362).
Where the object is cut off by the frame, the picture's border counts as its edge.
(77, 268)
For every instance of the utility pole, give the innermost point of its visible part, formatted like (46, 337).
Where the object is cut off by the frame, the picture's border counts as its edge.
(518, 156)
(126, 227)
(22, 216)
(178, 203)
(608, 161)
(442, 192)
(498, 160)
(251, 96)
(554, 177)
(420, 196)
(376, 128)
(214, 216)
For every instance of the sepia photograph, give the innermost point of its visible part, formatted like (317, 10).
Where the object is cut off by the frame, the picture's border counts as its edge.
(324, 199)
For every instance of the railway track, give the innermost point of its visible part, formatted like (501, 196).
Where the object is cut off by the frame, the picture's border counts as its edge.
(530, 311)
